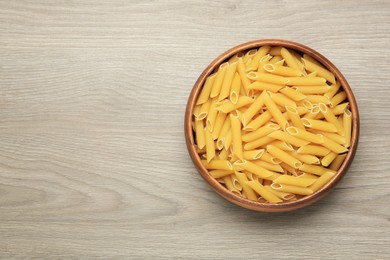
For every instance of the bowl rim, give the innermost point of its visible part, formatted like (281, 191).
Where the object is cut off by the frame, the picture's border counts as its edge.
(253, 205)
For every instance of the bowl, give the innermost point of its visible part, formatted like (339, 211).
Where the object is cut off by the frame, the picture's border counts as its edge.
(259, 206)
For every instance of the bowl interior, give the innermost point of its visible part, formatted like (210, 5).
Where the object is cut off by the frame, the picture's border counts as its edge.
(258, 206)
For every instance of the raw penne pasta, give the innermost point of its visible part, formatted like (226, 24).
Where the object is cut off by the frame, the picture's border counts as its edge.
(347, 124)
(336, 164)
(206, 90)
(261, 52)
(310, 90)
(263, 192)
(217, 165)
(227, 81)
(291, 189)
(236, 136)
(217, 84)
(313, 150)
(200, 134)
(216, 174)
(319, 125)
(253, 154)
(284, 156)
(283, 136)
(289, 59)
(272, 125)
(210, 147)
(281, 70)
(322, 180)
(292, 94)
(235, 89)
(275, 111)
(338, 98)
(294, 117)
(242, 72)
(294, 181)
(257, 85)
(322, 72)
(261, 132)
(266, 77)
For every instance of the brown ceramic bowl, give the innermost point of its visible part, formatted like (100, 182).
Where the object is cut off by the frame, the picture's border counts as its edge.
(265, 207)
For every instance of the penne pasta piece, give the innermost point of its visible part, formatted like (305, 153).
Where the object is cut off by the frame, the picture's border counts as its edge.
(261, 132)
(266, 157)
(289, 170)
(217, 84)
(292, 94)
(300, 64)
(275, 111)
(235, 90)
(247, 61)
(321, 181)
(221, 118)
(212, 115)
(282, 195)
(216, 174)
(258, 143)
(249, 193)
(313, 150)
(261, 52)
(305, 135)
(223, 154)
(312, 89)
(305, 81)
(333, 146)
(254, 168)
(283, 156)
(317, 170)
(335, 137)
(283, 136)
(307, 175)
(333, 90)
(290, 60)
(242, 72)
(227, 81)
(313, 74)
(311, 66)
(347, 124)
(281, 70)
(200, 134)
(281, 100)
(294, 117)
(236, 57)
(294, 181)
(264, 60)
(236, 183)
(315, 99)
(206, 90)
(328, 159)
(336, 164)
(253, 154)
(275, 59)
(227, 139)
(258, 122)
(291, 189)
(257, 85)
(249, 55)
(266, 77)
(204, 110)
(236, 136)
(253, 109)
(306, 104)
(200, 150)
(339, 109)
(282, 145)
(210, 147)
(330, 117)
(196, 111)
(217, 165)
(227, 180)
(263, 192)
(225, 128)
(338, 98)
(305, 158)
(274, 51)
(228, 106)
(319, 125)
(269, 166)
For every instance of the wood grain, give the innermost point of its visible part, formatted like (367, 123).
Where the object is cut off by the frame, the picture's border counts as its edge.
(93, 162)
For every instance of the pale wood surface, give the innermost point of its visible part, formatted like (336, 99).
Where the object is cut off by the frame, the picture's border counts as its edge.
(93, 162)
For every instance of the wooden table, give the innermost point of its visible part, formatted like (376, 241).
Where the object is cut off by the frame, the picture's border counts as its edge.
(93, 162)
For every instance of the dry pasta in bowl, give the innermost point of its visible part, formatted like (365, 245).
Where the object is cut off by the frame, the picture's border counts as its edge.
(272, 125)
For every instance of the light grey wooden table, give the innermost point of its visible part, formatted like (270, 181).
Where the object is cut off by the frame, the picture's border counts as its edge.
(92, 155)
